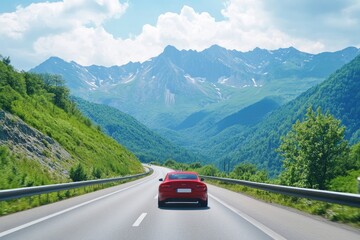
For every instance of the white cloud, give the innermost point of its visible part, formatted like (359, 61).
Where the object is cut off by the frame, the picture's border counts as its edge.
(246, 26)
(333, 23)
(49, 18)
(73, 29)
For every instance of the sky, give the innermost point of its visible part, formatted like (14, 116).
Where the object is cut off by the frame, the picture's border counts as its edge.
(115, 32)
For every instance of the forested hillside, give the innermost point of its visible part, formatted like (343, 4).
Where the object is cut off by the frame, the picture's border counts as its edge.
(338, 95)
(42, 102)
(144, 143)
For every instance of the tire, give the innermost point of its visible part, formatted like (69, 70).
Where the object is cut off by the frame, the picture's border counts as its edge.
(204, 203)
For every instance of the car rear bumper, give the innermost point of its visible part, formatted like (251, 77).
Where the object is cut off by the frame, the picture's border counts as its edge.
(182, 197)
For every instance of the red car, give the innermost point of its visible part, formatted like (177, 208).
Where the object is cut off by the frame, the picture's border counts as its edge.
(182, 187)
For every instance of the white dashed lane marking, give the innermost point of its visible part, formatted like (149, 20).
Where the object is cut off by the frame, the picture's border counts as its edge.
(139, 220)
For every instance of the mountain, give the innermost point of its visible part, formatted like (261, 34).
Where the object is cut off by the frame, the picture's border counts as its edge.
(200, 100)
(144, 143)
(338, 95)
(166, 89)
(250, 115)
(43, 135)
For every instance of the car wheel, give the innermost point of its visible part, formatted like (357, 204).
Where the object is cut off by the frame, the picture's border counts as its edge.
(204, 203)
(161, 204)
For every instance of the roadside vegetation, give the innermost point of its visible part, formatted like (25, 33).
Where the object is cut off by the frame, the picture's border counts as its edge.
(43, 102)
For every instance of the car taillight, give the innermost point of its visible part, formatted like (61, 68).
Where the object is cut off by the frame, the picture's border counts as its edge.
(165, 186)
(201, 187)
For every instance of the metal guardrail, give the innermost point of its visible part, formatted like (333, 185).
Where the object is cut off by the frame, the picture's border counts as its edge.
(347, 199)
(9, 194)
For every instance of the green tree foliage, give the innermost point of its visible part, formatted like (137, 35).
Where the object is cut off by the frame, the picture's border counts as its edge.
(195, 165)
(348, 182)
(208, 170)
(78, 173)
(34, 84)
(170, 163)
(56, 85)
(355, 156)
(314, 151)
(249, 172)
(5, 60)
(97, 173)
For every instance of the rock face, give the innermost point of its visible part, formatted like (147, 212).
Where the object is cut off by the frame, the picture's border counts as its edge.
(32, 144)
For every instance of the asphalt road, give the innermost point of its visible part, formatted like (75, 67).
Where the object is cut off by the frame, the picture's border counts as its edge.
(130, 212)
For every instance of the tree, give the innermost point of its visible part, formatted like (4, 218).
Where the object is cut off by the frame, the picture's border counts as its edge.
(195, 165)
(313, 151)
(170, 163)
(249, 172)
(78, 174)
(55, 84)
(5, 60)
(208, 170)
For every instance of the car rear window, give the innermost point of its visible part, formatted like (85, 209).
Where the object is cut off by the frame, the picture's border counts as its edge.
(182, 176)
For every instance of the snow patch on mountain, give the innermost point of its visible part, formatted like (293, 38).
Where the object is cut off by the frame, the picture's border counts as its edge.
(169, 97)
(190, 79)
(218, 91)
(255, 83)
(223, 80)
(129, 79)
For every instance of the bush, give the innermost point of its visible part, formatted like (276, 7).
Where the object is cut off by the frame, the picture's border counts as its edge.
(78, 174)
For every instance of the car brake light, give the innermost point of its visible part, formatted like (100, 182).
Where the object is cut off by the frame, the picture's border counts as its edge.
(165, 186)
(201, 187)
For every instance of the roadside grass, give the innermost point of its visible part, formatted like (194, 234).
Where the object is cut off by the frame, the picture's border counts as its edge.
(333, 212)
(17, 171)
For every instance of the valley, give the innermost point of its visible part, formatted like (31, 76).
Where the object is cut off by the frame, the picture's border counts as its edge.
(207, 102)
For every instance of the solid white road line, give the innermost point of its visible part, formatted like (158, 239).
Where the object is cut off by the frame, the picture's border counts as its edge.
(139, 220)
(7, 232)
(257, 224)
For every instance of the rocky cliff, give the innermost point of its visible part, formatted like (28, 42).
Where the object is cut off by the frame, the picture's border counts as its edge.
(32, 144)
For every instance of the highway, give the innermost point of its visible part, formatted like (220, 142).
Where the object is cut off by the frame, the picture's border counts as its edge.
(129, 211)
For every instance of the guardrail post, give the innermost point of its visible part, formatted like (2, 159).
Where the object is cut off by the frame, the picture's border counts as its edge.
(358, 184)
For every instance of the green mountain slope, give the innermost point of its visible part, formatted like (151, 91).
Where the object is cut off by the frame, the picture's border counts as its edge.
(249, 115)
(42, 102)
(144, 143)
(339, 94)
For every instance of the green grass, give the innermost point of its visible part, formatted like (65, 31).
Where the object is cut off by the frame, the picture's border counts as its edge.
(18, 171)
(79, 137)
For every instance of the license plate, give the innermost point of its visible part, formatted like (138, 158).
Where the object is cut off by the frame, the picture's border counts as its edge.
(183, 190)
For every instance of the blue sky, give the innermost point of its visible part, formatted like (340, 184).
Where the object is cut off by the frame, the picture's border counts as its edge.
(138, 12)
(114, 32)
(141, 12)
